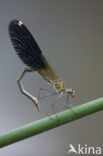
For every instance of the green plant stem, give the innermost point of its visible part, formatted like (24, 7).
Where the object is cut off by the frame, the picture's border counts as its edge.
(48, 123)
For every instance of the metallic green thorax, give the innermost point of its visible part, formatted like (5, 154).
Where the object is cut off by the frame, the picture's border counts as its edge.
(59, 85)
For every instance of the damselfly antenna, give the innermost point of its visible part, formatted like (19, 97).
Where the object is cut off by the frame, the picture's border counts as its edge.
(30, 53)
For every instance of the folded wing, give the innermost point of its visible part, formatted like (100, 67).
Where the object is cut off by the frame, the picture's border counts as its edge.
(28, 50)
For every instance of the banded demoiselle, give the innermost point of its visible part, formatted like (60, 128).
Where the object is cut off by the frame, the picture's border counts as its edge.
(30, 53)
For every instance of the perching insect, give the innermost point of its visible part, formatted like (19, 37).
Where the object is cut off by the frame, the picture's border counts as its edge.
(30, 53)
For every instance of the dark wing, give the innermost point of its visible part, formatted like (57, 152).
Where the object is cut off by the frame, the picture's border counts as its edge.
(26, 46)
(29, 51)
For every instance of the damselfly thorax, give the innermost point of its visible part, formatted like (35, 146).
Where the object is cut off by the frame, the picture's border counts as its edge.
(60, 88)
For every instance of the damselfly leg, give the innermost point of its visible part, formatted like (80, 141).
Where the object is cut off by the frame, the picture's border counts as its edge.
(68, 105)
(51, 94)
(44, 89)
(53, 104)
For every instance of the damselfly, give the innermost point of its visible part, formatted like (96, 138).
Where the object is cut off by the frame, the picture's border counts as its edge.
(30, 53)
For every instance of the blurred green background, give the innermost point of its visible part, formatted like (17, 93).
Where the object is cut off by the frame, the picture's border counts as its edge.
(70, 34)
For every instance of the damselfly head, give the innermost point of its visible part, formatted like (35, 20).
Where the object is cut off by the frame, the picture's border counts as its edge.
(71, 92)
